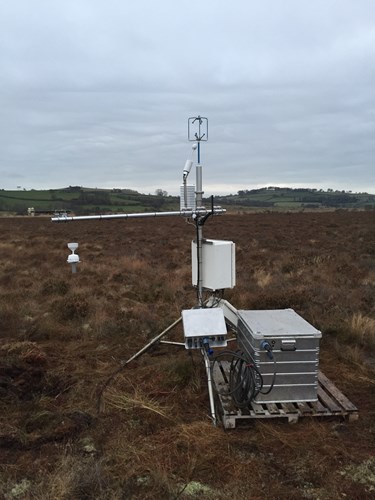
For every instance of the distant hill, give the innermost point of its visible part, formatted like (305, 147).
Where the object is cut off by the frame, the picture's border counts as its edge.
(80, 200)
(277, 198)
(84, 200)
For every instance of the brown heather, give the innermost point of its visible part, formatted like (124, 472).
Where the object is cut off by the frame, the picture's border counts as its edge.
(63, 334)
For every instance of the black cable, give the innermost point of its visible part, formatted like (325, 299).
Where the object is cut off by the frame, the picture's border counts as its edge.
(273, 378)
(245, 380)
(102, 388)
(217, 295)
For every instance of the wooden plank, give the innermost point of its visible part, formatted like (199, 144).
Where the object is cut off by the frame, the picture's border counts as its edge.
(289, 408)
(257, 408)
(281, 409)
(352, 417)
(327, 401)
(229, 422)
(227, 405)
(293, 418)
(312, 404)
(273, 409)
(265, 410)
(223, 371)
(328, 404)
(304, 408)
(335, 393)
(320, 408)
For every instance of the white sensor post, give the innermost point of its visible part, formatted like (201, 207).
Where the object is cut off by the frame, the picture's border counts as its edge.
(188, 164)
(73, 258)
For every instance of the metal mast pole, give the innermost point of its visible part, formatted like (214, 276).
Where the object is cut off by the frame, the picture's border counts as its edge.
(198, 198)
(198, 131)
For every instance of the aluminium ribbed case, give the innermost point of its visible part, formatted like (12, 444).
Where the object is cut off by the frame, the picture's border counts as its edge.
(295, 347)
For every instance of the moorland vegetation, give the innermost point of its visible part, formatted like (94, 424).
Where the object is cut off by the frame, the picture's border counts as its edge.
(63, 334)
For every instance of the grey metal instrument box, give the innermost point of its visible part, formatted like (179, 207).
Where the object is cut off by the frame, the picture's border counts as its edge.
(204, 325)
(295, 347)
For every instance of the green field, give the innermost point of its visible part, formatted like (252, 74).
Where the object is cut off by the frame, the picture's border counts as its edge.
(297, 199)
(83, 200)
(88, 200)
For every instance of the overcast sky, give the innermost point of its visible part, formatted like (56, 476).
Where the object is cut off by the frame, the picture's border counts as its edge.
(98, 93)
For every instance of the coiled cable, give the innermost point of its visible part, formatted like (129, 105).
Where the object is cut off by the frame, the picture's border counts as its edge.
(245, 382)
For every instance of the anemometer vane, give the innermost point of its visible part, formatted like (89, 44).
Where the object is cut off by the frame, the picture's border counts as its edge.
(198, 128)
(198, 131)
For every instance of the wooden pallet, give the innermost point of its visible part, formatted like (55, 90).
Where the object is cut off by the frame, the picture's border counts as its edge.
(331, 403)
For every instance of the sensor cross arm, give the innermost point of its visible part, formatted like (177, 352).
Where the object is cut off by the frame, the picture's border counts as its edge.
(183, 213)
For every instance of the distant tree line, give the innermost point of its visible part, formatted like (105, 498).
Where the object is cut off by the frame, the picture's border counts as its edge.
(327, 198)
(247, 192)
(93, 198)
(244, 202)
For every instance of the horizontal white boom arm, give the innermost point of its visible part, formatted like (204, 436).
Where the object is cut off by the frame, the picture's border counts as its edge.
(183, 213)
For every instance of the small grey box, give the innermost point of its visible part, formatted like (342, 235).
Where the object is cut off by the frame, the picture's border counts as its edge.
(295, 347)
(204, 325)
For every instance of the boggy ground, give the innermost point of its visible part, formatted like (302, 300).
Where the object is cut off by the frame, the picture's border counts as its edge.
(63, 334)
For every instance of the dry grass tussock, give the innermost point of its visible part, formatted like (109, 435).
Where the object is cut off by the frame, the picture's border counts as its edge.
(363, 328)
(62, 335)
(262, 278)
(136, 400)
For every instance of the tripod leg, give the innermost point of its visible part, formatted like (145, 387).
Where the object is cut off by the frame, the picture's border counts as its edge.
(207, 364)
(153, 341)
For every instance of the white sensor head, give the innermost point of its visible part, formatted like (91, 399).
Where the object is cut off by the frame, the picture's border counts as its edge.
(73, 258)
(189, 162)
(73, 246)
(187, 168)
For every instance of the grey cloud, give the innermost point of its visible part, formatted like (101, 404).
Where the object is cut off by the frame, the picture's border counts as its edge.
(100, 93)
